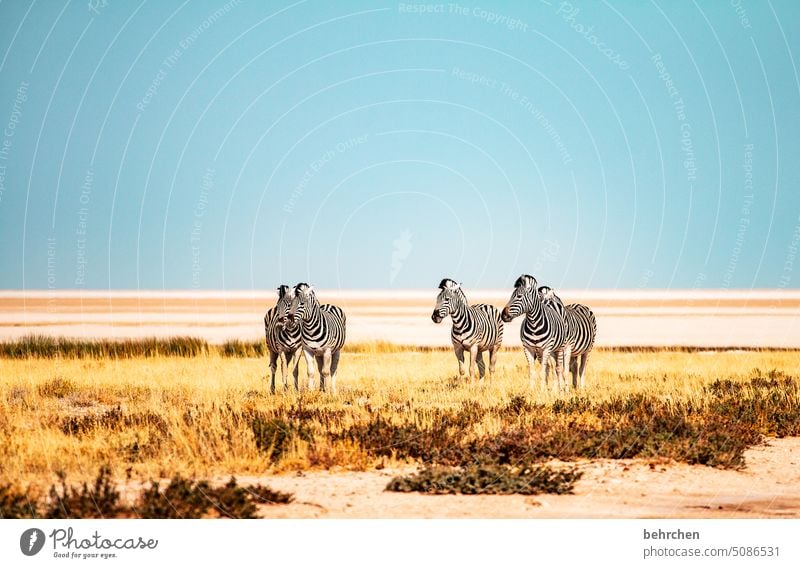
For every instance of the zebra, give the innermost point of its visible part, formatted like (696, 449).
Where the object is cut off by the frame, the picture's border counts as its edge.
(476, 328)
(283, 341)
(543, 333)
(581, 332)
(322, 331)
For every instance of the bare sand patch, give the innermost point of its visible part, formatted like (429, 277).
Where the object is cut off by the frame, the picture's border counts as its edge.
(768, 487)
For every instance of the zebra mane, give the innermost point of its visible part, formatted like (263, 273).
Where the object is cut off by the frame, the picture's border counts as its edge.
(525, 280)
(283, 289)
(549, 295)
(304, 287)
(449, 283)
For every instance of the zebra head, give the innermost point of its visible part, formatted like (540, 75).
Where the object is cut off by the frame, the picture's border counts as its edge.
(303, 298)
(282, 307)
(448, 299)
(523, 298)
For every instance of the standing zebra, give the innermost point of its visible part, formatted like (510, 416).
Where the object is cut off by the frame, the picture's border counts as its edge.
(283, 341)
(581, 332)
(476, 328)
(543, 332)
(322, 331)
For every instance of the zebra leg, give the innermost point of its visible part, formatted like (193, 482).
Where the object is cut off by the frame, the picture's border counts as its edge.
(273, 367)
(334, 366)
(530, 355)
(460, 357)
(481, 366)
(325, 370)
(560, 383)
(285, 365)
(546, 352)
(582, 371)
(573, 368)
(294, 366)
(320, 365)
(473, 357)
(309, 367)
(492, 360)
(563, 367)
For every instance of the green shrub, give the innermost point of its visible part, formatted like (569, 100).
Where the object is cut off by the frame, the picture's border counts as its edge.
(488, 479)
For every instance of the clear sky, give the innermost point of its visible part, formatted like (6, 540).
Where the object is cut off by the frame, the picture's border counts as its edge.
(241, 144)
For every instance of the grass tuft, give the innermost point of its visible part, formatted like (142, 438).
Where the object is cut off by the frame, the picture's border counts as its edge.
(238, 348)
(57, 387)
(275, 436)
(45, 347)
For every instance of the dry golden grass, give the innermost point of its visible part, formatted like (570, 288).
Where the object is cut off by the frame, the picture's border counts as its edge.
(194, 416)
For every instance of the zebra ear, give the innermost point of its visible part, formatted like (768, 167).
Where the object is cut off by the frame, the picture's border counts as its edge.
(310, 288)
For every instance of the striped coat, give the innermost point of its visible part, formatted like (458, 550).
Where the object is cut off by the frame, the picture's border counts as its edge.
(543, 332)
(283, 340)
(322, 331)
(475, 328)
(581, 332)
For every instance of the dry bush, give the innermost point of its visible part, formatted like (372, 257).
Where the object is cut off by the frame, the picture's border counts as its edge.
(182, 498)
(16, 505)
(99, 501)
(187, 499)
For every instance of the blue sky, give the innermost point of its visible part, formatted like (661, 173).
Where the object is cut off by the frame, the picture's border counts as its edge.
(241, 144)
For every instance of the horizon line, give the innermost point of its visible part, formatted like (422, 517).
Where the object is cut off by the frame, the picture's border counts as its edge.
(748, 293)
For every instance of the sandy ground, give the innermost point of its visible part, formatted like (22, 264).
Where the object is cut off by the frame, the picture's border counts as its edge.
(768, 487)
(755, 318)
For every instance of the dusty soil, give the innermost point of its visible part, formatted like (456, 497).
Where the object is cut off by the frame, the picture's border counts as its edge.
(768, 487)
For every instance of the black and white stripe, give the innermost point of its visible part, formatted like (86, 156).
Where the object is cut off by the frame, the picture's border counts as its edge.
(543, 332)
(322, 331)
(476, 328)
(283, 340)
(581, 332)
